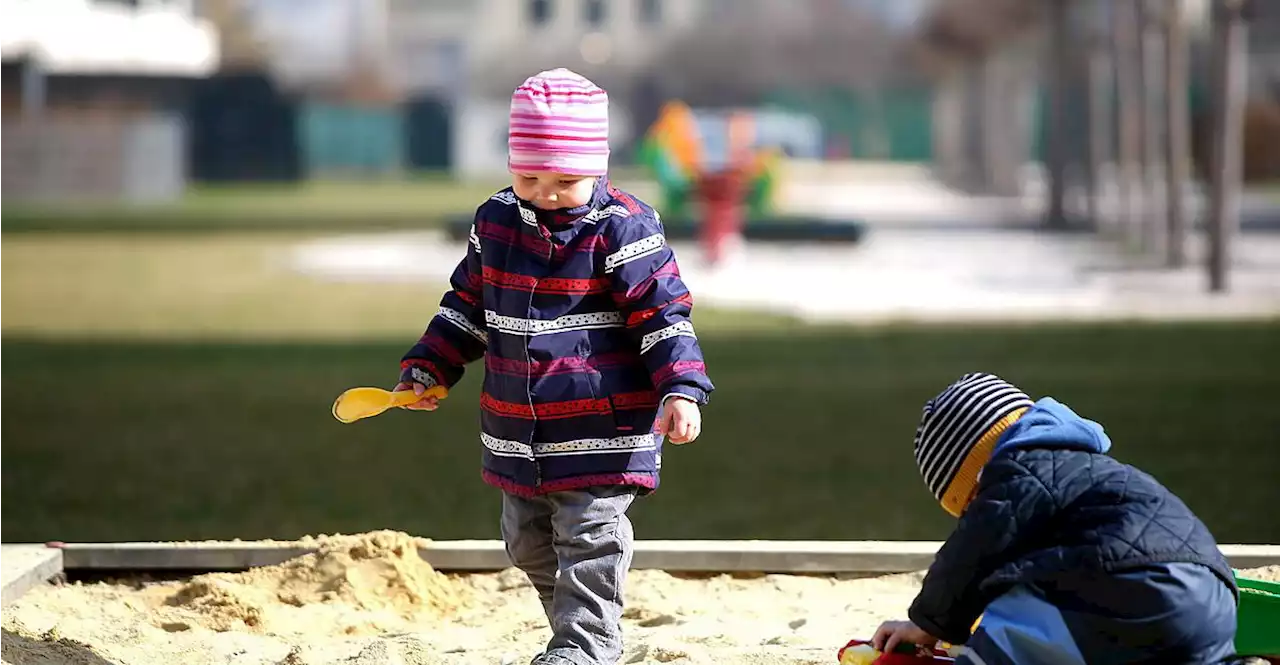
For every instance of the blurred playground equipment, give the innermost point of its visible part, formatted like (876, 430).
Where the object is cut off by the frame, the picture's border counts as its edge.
(718, 174)
(729, 179)
(719, 171)
(684, 147)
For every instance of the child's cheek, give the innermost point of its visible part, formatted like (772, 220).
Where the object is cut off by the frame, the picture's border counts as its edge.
(581, 193)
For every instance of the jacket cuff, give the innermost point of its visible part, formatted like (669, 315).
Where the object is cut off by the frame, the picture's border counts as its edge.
(929, 626)
(692, 393)
(415, 374)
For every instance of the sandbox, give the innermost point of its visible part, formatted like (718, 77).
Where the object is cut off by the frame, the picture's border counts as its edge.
(372, 599)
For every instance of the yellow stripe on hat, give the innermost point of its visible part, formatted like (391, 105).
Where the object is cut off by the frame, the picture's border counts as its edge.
(965, 484)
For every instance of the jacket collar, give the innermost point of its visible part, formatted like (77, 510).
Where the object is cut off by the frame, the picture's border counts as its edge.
(565, 217)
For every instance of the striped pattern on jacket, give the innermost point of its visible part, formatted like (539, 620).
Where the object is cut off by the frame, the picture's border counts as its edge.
(584, 325)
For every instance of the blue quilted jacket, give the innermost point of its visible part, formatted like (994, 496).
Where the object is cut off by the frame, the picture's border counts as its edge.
(584, 326)
(1099, 539)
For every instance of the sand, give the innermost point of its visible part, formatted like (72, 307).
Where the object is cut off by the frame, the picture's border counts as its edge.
(370, 600)
(1265, 574)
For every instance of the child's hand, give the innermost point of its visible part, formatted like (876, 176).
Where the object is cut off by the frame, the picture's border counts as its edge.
(430, 403)
(890, 633)
(681, 420)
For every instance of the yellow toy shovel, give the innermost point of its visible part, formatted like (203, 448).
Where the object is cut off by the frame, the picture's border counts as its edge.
(358, 403)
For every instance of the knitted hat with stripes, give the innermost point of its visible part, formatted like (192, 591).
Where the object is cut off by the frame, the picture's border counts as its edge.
(559, 124)
(958, 431)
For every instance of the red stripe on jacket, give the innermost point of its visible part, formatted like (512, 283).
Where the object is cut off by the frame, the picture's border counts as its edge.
(547, 410)
(557, 285)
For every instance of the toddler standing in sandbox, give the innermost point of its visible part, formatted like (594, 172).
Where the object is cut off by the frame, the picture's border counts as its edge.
(1069, 555)
(572, 296)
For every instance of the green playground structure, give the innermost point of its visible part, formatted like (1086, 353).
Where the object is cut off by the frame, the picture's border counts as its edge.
(684, 147)
(1258, 618)
(678, 151)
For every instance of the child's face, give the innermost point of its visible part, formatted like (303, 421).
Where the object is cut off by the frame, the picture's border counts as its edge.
(552, 191)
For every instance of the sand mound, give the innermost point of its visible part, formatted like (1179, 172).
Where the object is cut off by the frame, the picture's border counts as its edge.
(369, 600)
(1266, 573)
(48, 648)
(379, 574)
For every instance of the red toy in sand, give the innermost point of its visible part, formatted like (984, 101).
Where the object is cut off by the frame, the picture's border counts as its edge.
(860, 652)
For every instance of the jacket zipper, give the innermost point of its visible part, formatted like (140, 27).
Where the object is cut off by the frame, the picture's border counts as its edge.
(528, 359)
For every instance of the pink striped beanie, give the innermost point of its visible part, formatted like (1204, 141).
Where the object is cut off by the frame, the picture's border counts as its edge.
(560, 124)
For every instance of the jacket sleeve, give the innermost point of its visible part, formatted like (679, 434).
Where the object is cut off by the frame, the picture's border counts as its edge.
(1010, 502)
(656, 306)
(457, 335)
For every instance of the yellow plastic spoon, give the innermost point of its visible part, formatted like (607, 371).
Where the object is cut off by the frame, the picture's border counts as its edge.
(358, 403)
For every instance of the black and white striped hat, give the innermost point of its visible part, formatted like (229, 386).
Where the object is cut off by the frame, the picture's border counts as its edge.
(954, 422)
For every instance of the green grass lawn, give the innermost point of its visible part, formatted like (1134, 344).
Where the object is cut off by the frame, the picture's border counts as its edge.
(161, 386)
(808, 435)
(267, 207)
(412, 203)
(213, 285)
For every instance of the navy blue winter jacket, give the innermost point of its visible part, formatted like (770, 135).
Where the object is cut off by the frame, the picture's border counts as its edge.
(1051, 505)
(585, 328)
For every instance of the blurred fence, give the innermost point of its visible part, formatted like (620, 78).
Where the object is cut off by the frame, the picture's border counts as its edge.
(347, 140)
(880, 123)
(244, 128)
(94, 156)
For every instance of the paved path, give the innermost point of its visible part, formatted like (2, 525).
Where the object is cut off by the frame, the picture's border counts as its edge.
(930, 254)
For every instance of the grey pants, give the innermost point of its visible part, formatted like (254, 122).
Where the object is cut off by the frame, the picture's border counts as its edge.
(575, 546)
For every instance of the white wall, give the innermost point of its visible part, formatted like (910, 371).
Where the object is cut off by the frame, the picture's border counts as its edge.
(82, 37)
(480, 139)
(319, 42)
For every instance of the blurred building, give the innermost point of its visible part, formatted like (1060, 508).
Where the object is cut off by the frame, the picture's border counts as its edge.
(453, 47)
(620, 36)
(903, 15)
(93, 95)
(458, 61)
(449, 65)
(443, 53)
(315, 47)
(1264, 47)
